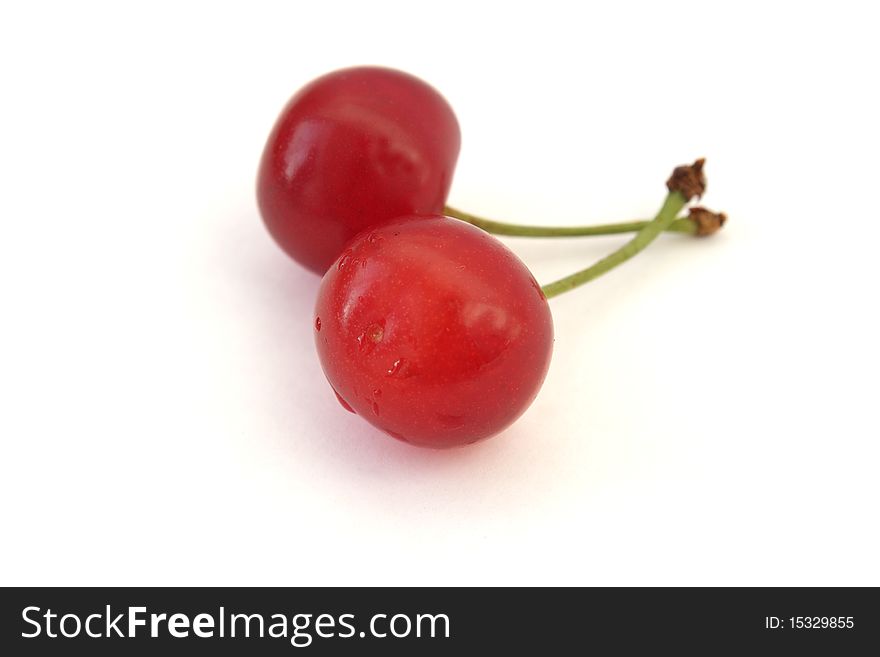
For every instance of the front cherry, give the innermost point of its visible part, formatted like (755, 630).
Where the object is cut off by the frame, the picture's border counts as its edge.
(351, 149)
(433, 331)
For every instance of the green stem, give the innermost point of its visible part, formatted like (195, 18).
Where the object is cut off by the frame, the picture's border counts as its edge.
(674, 203)
(681, 225)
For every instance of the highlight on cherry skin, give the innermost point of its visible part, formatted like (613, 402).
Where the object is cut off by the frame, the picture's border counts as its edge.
(351, 149)
(433, 331)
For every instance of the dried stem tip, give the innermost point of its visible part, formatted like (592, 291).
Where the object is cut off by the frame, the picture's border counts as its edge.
(689, 180)
(707, 222)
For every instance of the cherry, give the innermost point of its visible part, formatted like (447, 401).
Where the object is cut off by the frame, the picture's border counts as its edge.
(353, 148)
(433, 331)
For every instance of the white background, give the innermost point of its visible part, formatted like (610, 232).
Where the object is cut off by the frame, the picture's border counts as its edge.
(710, 416)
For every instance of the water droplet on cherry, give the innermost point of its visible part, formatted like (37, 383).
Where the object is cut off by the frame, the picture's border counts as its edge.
(343, 260)
(396, 367)
(344, 403)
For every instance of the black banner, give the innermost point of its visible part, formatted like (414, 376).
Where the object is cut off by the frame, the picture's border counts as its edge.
(277, 621)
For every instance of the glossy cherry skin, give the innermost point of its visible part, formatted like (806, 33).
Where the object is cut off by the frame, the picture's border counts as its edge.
(353, 148)
(433, 331)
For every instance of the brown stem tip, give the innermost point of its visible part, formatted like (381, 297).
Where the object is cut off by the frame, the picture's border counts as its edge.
(707, 222)
(689, 180)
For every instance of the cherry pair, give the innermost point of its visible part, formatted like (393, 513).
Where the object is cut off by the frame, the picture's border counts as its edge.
(426, 326)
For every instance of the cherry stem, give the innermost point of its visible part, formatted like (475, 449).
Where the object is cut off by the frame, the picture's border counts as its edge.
(680, 225)
(674, 203)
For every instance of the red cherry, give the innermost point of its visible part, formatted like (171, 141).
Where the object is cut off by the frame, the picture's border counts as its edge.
(350, 149)
(433, 331)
